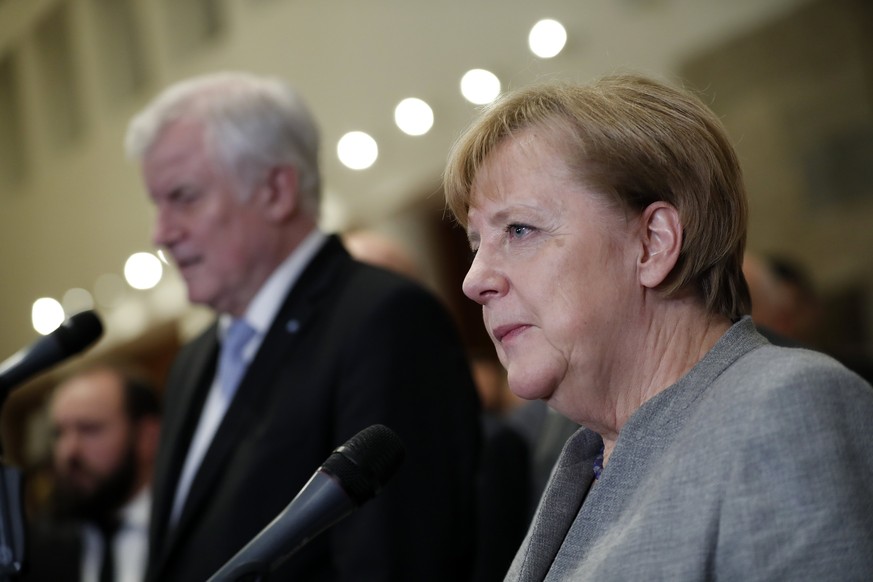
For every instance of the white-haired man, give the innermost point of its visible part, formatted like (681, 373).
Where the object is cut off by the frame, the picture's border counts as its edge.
(329, 346)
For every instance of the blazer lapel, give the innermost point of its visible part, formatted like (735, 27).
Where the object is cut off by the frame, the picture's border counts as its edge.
(558, 508)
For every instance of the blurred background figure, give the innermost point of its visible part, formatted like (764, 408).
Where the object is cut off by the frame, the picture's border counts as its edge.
(105, 422)
(497, 399)
(788, 310)
(785, 305)
(375, 248)
(504, 472)
(522, 442)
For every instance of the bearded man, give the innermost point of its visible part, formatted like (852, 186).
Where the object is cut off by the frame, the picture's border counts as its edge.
(105, 424)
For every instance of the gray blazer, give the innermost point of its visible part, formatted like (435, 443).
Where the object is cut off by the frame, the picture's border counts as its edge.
(756, 465)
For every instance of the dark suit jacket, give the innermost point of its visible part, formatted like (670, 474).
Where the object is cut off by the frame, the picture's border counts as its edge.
(352, 346)
(54, 552)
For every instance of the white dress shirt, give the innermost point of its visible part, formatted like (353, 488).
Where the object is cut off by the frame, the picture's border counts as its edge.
(130, 544)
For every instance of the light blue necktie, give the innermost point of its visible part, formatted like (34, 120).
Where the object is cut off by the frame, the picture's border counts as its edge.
(231, 364)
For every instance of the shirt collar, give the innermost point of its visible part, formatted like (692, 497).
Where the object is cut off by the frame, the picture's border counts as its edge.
(136, 512)
(263, 308)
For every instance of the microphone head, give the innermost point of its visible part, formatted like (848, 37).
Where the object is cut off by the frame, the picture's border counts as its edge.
(78, 332)
(366, 461)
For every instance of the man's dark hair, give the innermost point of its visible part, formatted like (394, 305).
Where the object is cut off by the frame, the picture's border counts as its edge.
(140, 396)
(791, 273)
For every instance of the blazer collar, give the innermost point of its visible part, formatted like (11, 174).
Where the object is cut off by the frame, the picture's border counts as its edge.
(560, 503)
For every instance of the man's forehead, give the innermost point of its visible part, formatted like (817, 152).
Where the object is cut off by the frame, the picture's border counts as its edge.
(97, 392)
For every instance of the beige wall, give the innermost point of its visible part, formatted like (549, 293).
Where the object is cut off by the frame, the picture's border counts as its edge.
(73, 71)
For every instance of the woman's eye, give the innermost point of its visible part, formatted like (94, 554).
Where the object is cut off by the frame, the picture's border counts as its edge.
(518, 230)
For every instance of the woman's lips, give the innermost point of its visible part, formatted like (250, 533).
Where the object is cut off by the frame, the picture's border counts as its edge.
(508, 332)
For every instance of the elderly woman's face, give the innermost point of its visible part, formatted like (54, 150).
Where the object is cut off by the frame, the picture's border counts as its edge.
(554, 270)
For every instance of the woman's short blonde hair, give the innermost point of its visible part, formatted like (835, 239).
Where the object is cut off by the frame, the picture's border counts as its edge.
(635, 141)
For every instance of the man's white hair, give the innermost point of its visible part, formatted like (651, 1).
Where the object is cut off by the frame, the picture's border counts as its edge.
(251, 125)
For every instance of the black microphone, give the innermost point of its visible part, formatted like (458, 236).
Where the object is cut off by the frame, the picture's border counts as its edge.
(354, 473)
(73, 336)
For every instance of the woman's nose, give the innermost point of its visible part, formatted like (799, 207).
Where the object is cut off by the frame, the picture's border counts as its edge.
(484, 281)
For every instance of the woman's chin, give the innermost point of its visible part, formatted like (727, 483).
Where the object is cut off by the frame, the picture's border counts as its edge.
(528, 389)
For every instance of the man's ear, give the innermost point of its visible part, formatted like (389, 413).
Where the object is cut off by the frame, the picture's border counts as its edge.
(661, 239)
(148, 431)
(281, 193)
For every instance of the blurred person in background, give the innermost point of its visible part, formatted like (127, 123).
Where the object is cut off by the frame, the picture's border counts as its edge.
(789, 312)
(372, 247)
(785, 306)
(105, 423)
(608, 223)
(309, 347)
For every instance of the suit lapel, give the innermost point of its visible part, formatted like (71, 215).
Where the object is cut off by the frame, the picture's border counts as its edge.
(190, 389)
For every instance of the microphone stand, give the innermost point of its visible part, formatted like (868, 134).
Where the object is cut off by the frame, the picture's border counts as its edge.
(71, 337)
(12, 531)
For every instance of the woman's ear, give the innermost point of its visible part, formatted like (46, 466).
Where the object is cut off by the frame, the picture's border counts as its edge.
(662, 241)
